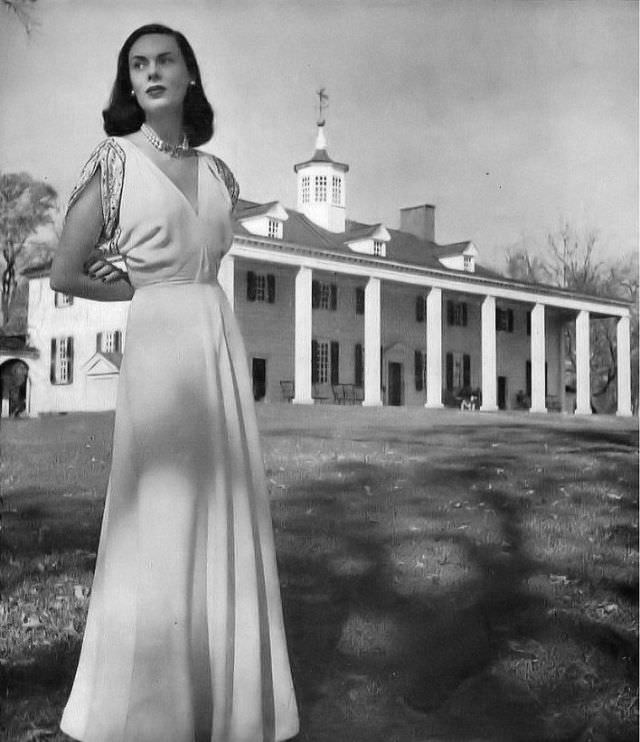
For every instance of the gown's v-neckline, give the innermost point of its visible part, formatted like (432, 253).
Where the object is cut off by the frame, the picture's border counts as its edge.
(195, 208)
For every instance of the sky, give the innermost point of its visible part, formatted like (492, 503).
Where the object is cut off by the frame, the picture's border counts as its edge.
(511, 116)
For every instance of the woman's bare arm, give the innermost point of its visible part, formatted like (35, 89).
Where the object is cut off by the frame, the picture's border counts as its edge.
(80, 235)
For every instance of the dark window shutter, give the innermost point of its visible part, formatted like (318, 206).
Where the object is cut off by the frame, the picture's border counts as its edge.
(359, 300)
(466, 370)
(419, 308)
(529, 323)
(449, 312)
(498, 318)
(335, 362)
(314, 362)
(334, 297)
(271, 288)
(527, 377)
(52, 365)
(315, 294)
(359, 366)
(99, 342)
(117, 341)
(251, 286)
(70, 356)
(449, 372)
(417, 363)
(464, 314)
(510, 319)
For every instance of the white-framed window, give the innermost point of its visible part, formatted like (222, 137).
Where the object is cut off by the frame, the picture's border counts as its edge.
(306, 189)
(468, 262)
(62, 300)
(109, 341)
(261, 287)
(378, 248)
(336, 190)
(457, 313)
(458, 370)
(504, 320)
(321, 362)
(274, 228)
(61, 360)
(324, 295)
(320, 194)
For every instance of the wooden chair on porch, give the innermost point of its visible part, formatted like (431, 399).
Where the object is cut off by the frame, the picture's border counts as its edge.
(287, 390)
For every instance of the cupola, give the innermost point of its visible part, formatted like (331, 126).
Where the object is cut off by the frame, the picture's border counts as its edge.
(321, 186)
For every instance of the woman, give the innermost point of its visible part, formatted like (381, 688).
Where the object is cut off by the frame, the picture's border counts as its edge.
(184, 639)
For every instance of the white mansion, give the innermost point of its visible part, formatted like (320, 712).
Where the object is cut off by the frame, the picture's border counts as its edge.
(338, 311)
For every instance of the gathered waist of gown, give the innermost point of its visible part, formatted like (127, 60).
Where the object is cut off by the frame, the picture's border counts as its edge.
(173, 282)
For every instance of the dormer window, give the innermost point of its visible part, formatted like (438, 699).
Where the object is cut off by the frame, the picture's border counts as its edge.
(320, 188)
(306, 189)
(63, 300)
(336, 190)
(468, 263)
(274, 229)
(378, 248)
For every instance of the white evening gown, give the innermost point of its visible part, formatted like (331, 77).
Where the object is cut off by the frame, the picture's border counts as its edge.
(184, 639)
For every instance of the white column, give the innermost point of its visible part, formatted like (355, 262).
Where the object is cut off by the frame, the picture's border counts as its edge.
(372, 339)
(583, 364)
(303, 329)
(538, 355)
(623, 341)
(489, 369)
(226, 273)
(434, 349)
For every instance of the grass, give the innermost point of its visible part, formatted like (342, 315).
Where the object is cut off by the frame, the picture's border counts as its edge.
(445, 576)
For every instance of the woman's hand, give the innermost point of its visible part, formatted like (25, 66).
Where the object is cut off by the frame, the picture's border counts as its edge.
(100, 269)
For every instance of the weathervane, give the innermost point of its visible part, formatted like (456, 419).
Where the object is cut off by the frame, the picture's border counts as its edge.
(323, 103)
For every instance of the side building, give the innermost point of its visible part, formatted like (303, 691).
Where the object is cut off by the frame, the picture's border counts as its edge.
(333, 310)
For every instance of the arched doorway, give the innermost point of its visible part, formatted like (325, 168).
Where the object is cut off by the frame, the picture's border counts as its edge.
(14, 375)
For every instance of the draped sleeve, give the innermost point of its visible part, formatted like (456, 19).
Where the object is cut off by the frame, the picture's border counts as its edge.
(221, 169)
(109, 157)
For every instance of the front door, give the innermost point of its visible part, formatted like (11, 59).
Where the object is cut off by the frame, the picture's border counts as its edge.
(502, 392)
(395, 384)
(259, 375)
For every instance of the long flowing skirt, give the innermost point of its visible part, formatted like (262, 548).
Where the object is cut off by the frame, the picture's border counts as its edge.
(184, 639)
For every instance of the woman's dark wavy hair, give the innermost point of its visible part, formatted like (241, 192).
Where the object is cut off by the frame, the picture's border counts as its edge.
(123, 115)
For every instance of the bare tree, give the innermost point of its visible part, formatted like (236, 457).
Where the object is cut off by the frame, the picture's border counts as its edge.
(26, 205)
(568, 260)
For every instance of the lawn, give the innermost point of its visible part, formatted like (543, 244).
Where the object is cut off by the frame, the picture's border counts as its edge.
(446, 576)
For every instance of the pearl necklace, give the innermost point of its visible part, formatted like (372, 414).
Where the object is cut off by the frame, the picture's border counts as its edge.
(173, 150)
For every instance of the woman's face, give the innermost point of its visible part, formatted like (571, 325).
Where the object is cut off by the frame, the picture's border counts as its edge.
(158, 73)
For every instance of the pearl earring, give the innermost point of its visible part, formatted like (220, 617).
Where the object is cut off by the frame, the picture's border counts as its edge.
(132, 93)
(192, 83)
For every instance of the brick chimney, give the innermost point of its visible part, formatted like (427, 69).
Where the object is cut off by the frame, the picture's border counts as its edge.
(419, 221)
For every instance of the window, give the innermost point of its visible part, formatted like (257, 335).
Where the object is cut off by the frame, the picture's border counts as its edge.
(324, 295)
(306, 189)
(420, 370)
(274, 229)
(62, 300)
(261, 287)
(61, 368)
(320, 362)
(378, 248)
(458, 371)
(321, 188)
(468, 262)
(504, 320)
(359, 300)
(457, 313)
(109, 341)
(336, 190)
(421, 308)
(358, 377)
